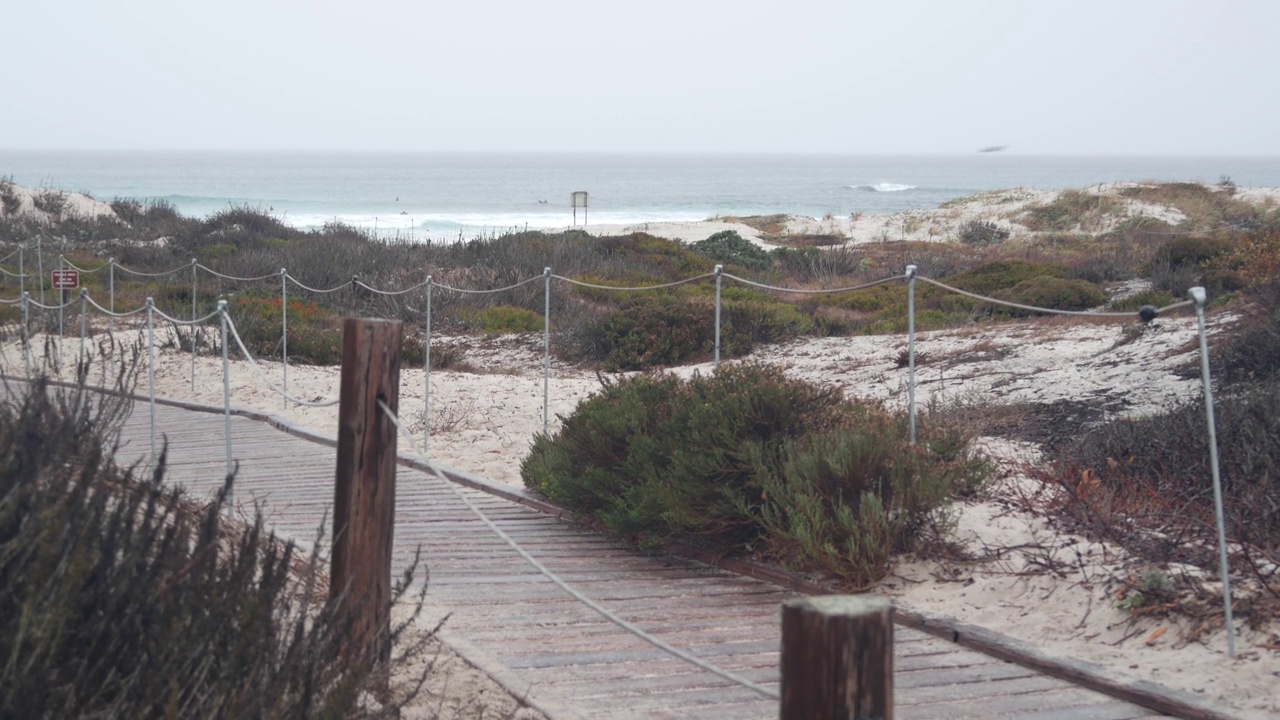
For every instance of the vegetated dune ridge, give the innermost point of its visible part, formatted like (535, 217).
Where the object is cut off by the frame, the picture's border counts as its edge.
(1058, 591)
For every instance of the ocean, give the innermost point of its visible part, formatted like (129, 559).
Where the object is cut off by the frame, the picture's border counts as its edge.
(451, 195)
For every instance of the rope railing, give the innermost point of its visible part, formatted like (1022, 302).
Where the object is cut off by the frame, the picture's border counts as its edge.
(141, 273)
(376, 291)
(217, 274)
(13, 274)
(343, 286)
(262, 375)
(569, 589)
(663, 286)
(77, 268)
(1145, 314)
(467, 291)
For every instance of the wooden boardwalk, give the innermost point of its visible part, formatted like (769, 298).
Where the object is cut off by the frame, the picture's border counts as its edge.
(565, 658)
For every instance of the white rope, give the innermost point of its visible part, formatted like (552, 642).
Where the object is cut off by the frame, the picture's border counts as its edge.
(14, 274)
(11, 302)
(211, 271)
(390, 292)
(1033, 308)
(644, 287)
(67, 304)
(827, 291)
(343, 286)
(147, 274)
(73, 266)
(485, 292)
(176, 321)
(15, 252)
(604, 612)
(114, 314)
(256, 368)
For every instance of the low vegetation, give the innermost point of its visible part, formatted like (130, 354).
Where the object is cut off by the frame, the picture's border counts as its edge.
(122, 597)
(748, 458)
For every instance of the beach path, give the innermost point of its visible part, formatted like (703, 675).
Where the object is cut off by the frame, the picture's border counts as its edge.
(542, 644)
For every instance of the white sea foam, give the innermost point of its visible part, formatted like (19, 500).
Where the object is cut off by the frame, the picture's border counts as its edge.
(883, 187)
(471, 224)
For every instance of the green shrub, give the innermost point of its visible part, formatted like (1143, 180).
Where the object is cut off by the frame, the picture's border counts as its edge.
(1053, 293)
(978, 233)
(649, 331)
(747, 455)
(730, 248)
(499, 319)
(1192, 250)
(120, 597)
(990, 278)
(1153, 297)
(1071, 210)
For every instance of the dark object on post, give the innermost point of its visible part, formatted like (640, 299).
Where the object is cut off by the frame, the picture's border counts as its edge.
(365, 486)
(837, 658)
(1147, 313)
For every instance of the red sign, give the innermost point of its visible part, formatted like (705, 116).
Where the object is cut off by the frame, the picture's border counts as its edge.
(65, 279)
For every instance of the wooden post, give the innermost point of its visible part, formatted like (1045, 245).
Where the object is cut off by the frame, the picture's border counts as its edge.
(837, 658)
(365, 486)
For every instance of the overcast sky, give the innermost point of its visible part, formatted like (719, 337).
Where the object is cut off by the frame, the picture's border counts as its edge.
(1060, 77)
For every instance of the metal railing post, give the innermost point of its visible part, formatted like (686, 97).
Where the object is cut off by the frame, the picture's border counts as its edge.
(84, 326)
(151, 373)
(192, 335)
(1199, 297)
(226, 401)
(426, 382)
(26, 331)
(62, 300)
(40, 265)
(22, 271)
(911, 349)
(546, 352)
(284, 333)
(719, 279)
(111, 292)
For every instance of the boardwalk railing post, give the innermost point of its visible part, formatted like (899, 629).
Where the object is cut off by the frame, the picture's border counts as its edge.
(837, 658)
(226, 404)
(719, 280)
(911, 348)
(364, 488)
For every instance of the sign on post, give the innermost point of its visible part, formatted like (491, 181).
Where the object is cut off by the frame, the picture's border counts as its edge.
(65, 279)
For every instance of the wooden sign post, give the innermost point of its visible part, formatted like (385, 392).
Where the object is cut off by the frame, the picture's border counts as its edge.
(365, 486)
(837, 658)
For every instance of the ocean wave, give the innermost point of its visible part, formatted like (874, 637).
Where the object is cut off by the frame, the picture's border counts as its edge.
(883, 187)
(471, 223)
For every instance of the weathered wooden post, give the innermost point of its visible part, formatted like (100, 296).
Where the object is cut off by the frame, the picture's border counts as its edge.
(365, 487)
(837, 658)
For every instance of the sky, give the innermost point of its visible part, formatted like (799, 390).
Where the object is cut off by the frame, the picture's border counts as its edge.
(1122, 77)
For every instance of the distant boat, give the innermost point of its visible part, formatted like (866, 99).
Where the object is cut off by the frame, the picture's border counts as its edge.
(994, 148)
(542, 202)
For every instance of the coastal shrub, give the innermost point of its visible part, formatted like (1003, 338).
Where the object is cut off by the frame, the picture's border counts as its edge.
(1155, 471)
(1251, 352)
(315, 333)
(9, 200)
(649, 331)
(50, 201)
(1153, 297)
(1072, 210)
(747, 456)
(1193, 250)
(1053, 293)
(121, 597)
(990, 278)
(808, 264)
(498, 319)
(730, 248)
(980, 233)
